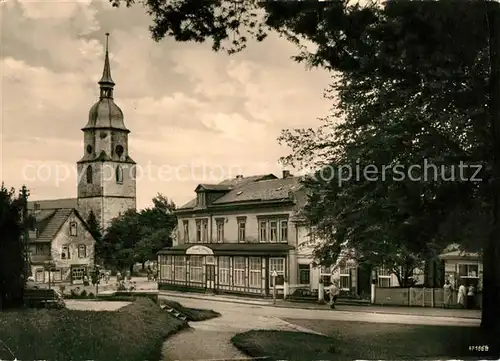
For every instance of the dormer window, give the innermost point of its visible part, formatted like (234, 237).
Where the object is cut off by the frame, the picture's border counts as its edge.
(201, 199)
(36, 206)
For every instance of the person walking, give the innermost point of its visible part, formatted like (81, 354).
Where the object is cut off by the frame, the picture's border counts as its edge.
(447, 290)
(462, 293)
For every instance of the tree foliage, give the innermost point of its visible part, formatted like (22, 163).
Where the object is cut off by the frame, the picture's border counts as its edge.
(12, 247)
(138, 236)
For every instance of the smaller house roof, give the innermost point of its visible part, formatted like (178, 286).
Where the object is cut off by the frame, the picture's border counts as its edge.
(50, 221)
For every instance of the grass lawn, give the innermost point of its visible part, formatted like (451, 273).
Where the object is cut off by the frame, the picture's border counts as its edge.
(192, 314)
(135, 333)
(360, 340)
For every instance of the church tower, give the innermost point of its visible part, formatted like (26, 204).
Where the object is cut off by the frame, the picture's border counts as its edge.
(106, 173)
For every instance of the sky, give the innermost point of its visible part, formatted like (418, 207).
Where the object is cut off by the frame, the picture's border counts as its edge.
(204, 116)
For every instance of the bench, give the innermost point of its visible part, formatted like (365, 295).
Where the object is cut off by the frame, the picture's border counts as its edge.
(39, 297)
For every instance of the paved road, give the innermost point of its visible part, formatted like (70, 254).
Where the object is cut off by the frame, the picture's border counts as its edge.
(242, 313)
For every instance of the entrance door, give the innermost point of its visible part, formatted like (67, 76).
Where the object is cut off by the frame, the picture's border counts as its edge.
(210, 272)
(77, 273)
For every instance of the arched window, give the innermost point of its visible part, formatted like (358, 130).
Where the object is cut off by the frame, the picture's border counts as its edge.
(89, 174)
(119, 175)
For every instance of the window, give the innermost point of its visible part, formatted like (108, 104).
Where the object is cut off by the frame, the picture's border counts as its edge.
(39, 275)
(242, 230)
(202, 231)
(255, 271)
(278, 265)
(262, 231)
(89, 174)
(239, 271)
(326, 275)
(41, 250)
(204, 227)
(284, 231)
(180, 268)
(166, 267)
(65, 252)
(345, 278)
(36, 206)
(57, 275)
(119, 174)
(198, 231)
(468, 270)
(383, 277)
(224, 270)
(82, 251)
(72, 229)
(273, 231)
(304, 274)
(196, 268)
(185, 225)
(220, 230)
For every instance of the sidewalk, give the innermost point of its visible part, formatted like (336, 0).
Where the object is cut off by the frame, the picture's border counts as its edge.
(342, 306)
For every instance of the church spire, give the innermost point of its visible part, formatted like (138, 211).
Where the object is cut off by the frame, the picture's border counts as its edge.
(106, 83)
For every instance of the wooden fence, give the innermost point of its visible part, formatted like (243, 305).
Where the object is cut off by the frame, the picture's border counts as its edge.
(423, 297)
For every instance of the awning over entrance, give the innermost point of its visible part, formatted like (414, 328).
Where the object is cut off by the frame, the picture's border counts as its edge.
(228, 249)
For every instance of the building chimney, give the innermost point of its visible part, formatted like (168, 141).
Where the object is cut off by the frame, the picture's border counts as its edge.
(286, 174)
(239, 176)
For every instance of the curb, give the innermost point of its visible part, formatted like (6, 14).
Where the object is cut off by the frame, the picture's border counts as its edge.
(270, 304)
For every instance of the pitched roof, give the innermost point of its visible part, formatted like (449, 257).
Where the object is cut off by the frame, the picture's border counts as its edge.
(228, 185)
(54, 203)
(264, 190)
(256, 188)
(49, 222)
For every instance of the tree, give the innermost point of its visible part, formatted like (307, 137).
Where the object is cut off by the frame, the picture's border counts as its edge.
(419, 79)
(12, 248)
(117, 247)
(138, 236)
(156, 226)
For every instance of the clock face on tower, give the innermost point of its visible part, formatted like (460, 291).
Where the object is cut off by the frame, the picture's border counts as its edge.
(119, 150)
(89, 149)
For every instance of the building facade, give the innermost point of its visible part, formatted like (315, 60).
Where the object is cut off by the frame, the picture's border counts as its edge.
(232, 236)
(60, 238)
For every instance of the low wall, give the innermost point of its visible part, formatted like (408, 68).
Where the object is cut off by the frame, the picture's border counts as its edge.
(423, 297)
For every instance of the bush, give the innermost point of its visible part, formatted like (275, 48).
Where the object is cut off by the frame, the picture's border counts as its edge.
(83, 294)
(135, 333)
